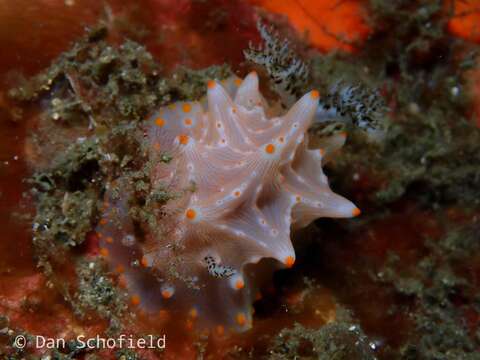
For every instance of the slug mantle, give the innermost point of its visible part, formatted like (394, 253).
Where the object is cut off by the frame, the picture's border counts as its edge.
(244, 177)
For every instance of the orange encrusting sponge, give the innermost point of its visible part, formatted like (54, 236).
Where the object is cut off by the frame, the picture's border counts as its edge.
(466, 20)
(330, 24)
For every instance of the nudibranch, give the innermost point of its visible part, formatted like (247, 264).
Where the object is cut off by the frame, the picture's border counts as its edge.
(245, 177)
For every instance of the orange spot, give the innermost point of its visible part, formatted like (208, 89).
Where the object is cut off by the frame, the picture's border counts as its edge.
(120, 269)
(289, 261)
(183, 139)
(99, 235)
(103, 252)
(234, 110)
(193, 313)
(237, 193)
(270, 148)
(239, 284)
(241, 319)
(159, 122)
(343, 134)
(144, 261)
(356, 212)
(237, 81)
(135, 300)
(109, 239)
(315, 94)
(188, 121)
(167, 294)
(321, 151)
(189, 325)
(190, 214)
(211, 84)
(156, 146)
(186, 107)
(220, 330)
(103, 221)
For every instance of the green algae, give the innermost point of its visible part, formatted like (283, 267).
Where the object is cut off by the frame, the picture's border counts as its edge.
(431, 156)
(67, 202)
(11, 351)
(441, 294)
(126, 355)
(100, 81)
(429, 153)
(429, 148)
(90, 133)
(97, 293)
(108, 84)
(340, 340)
(187, 84)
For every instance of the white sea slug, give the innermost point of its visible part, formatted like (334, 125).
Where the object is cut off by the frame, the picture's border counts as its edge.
(244, 178)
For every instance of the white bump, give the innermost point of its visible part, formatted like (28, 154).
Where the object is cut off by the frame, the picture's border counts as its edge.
(128, 240)
(167, 291)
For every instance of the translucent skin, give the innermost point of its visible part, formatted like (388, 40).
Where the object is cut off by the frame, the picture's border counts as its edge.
(243, 179)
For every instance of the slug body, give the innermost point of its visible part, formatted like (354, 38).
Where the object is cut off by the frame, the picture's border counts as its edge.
(244, 178)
